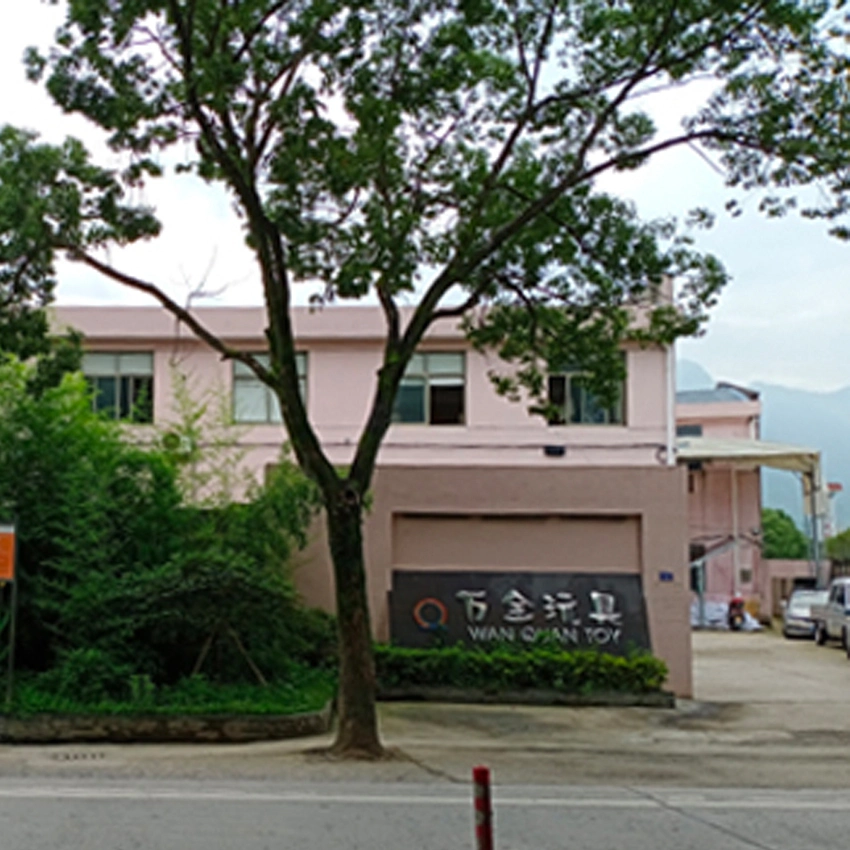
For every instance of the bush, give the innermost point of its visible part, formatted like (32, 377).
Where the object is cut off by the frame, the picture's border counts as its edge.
(117, 572)
(580, 671)
(302, 690)
(87, 676)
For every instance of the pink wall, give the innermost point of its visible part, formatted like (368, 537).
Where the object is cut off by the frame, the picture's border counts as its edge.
(710, 498)
(343, 348)
(723, 418)
(777, 581)
(710, 522)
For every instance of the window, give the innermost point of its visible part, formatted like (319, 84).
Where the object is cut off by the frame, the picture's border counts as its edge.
(432, 390)
(576, 405)
(122, 384)
(689, 430)
(253, 401)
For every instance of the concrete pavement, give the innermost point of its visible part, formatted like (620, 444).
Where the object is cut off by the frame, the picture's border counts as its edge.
(767, 713)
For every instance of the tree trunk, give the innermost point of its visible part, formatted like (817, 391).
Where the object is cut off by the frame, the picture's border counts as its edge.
(357, 733)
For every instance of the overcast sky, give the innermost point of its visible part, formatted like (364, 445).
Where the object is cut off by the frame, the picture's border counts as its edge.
(785, 318)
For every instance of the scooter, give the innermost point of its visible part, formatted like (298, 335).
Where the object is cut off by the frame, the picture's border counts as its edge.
(736, 613)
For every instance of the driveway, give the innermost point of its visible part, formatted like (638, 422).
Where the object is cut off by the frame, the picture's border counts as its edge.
(764, 667)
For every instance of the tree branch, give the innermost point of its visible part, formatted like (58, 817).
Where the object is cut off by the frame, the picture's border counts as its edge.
(272, 261)
(464, 307)
(180, 313)
(392, 315)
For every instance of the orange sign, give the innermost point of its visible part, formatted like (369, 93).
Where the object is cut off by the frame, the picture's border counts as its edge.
(7, 552)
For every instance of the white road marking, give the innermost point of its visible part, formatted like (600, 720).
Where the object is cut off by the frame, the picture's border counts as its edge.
(778, 802)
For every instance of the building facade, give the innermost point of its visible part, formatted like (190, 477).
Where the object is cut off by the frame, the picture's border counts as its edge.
(576, 526)
(724, 497)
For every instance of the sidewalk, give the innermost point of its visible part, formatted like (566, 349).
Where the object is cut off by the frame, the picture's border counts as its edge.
(769, 713)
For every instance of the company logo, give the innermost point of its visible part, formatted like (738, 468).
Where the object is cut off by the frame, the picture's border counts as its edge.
(430, 614)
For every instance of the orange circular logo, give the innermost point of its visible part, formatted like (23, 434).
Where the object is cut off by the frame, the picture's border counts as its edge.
(430, 614)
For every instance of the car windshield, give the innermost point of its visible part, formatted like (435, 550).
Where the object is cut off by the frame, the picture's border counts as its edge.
(802, 601)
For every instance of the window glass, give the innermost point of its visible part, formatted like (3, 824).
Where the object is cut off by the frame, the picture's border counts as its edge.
(253, 401)
(446, 404)
(105, 394)
(410, 401)
(250, 401)
(689, 430)
(96, 364)
(122, 384)
(445, 364)
(432, 390)
(575, 403)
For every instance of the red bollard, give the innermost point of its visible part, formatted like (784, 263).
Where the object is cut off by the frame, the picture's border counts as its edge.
(483, 808)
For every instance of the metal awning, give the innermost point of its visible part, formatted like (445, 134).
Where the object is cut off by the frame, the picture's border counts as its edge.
(749, 453)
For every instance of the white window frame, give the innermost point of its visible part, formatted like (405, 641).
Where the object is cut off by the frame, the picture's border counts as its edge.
(424, 370)
(120, 366)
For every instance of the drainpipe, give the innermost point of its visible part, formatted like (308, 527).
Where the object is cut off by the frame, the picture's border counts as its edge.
(671, 406)
(736, 559)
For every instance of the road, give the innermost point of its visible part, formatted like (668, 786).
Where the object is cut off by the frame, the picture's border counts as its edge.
(723, 771)
(350, 816)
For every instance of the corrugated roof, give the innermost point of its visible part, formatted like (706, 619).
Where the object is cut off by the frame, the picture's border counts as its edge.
(722, 392)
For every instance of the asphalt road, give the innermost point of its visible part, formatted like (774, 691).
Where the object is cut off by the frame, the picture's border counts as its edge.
(738, 767)
(350, 816)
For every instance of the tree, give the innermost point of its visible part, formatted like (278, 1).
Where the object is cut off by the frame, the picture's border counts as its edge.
(780, 536)
(114, 559)
(445, 149)
(838, 547)
(89, 505)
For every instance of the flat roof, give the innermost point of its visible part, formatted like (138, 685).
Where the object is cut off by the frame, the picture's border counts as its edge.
(748, 453)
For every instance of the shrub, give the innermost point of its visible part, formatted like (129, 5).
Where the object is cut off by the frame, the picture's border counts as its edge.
(578, 671)
(87, 676)
(115, 568)
(302, 690)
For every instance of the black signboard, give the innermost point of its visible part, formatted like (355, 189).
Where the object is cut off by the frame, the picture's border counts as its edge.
(580, 609)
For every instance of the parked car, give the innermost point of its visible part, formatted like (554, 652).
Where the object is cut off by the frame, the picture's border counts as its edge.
(831, 618)
(797, 620)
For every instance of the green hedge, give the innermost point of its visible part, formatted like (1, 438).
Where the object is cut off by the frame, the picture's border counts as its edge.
(508, 669)
(304, 690)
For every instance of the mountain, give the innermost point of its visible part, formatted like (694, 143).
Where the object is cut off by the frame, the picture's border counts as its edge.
(808, 419)
(691, 376)
(816, 421)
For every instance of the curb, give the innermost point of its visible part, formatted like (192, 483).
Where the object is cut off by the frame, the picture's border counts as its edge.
(617, 699)
(163, 729)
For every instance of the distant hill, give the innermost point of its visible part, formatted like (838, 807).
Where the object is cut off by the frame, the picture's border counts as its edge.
(809, 419)
(691, 376)
(817, 421)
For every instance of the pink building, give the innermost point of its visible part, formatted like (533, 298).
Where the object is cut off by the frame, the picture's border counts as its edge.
(472, 495)
(724, 497)
(718, 441)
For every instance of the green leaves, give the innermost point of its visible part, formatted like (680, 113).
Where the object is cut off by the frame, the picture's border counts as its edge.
(112, 562)
(51, 198)
(782, 539)
(451, 147)
(508, 668)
